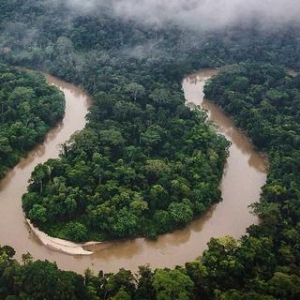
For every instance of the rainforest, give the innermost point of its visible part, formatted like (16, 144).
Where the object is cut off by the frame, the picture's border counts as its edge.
(146, 163)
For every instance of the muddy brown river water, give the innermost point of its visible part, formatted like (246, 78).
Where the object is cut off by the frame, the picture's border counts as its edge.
(244, 175)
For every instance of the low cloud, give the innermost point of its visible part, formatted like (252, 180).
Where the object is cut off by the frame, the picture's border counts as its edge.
(211, 14)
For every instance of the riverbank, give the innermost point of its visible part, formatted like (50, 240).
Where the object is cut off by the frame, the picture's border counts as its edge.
(61, 245)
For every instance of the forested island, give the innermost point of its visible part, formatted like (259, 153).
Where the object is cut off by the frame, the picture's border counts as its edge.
(145, 163)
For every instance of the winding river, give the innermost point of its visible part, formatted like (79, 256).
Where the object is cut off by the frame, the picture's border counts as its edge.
(244, 175)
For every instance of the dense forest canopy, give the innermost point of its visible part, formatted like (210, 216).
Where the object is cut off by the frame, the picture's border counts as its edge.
(29, 107)
(137, 169)
(145, 164)
(133, 73)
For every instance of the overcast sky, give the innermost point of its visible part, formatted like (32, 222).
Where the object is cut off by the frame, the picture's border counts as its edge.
(199, 13)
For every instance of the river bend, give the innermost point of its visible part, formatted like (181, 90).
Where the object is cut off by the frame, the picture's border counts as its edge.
(244, 175)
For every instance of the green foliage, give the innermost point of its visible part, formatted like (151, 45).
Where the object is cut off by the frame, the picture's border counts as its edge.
(143, 154)
(172, 284)
(76, 231)
(37, 280)
(28, 108)
(268, 109)
(146, 164)
(38, 213)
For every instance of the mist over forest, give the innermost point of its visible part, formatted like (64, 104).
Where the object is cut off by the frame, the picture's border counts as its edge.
(200, 14)
(195, 20)
(146, 164)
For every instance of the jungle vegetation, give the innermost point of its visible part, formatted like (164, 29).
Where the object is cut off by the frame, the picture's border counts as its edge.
(112, 59)
(29, 107)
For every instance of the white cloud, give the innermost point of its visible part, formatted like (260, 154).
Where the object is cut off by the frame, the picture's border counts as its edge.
(196, 13)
